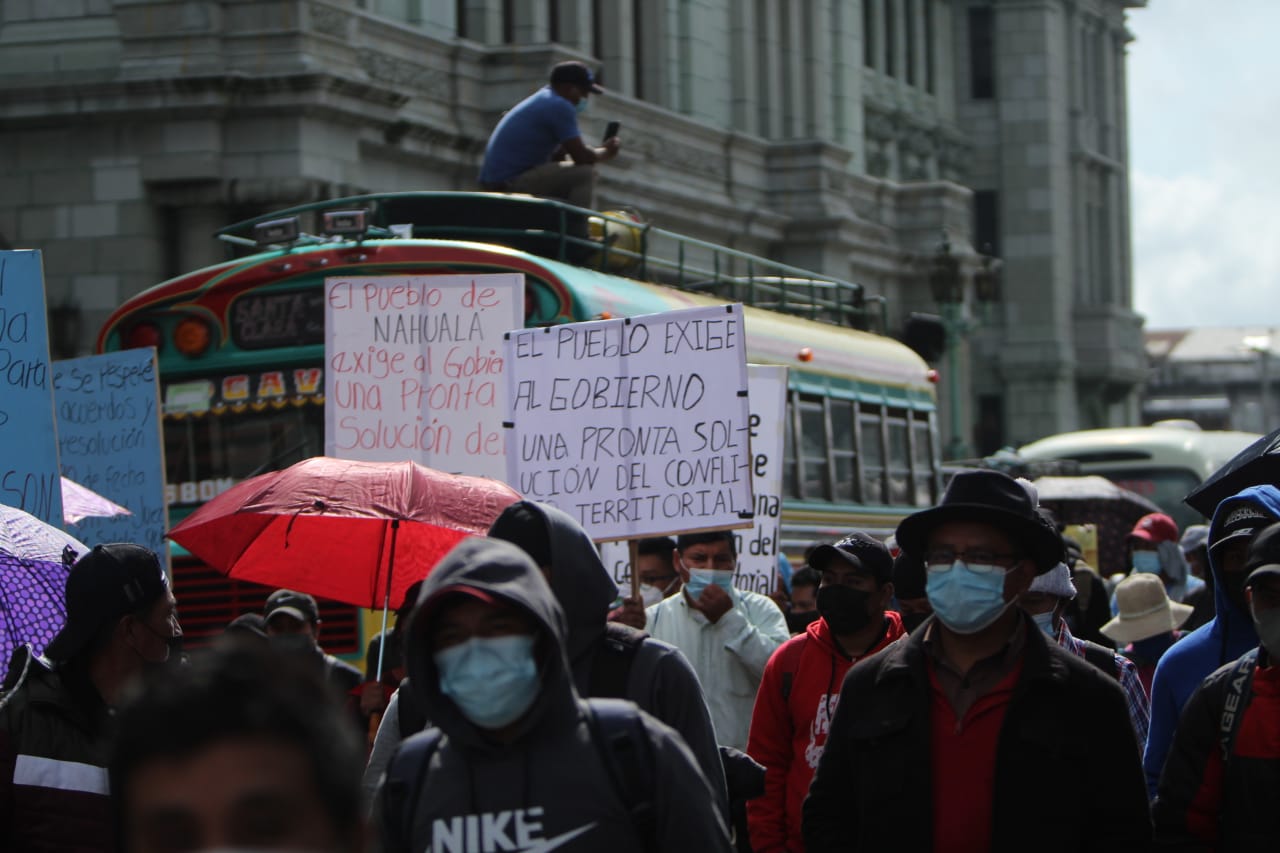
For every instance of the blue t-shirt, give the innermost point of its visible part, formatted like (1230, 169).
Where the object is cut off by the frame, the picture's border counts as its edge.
(528, 135)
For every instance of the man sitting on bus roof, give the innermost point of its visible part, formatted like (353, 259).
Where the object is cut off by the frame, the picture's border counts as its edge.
(526, 151)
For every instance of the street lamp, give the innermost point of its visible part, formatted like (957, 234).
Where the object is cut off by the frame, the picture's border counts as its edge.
(946, 283)
(948, 277)
(1261, 344)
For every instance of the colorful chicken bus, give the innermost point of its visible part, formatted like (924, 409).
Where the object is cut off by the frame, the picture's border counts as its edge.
(241, 353)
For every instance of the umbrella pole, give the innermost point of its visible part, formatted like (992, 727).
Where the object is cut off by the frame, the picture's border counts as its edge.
(386, 598)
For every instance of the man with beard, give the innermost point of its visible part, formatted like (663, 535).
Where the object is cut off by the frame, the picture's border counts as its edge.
(801, 684)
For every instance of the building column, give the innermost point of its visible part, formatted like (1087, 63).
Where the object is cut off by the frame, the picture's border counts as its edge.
(744, 85)
(530, 23)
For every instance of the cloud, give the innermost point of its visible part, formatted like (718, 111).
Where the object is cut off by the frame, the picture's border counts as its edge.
(1204, 182)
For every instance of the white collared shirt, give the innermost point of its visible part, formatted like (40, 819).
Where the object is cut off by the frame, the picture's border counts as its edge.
(728, 656)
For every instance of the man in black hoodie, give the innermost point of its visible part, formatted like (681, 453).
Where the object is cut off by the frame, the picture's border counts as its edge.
(606, 659)
(513, 763)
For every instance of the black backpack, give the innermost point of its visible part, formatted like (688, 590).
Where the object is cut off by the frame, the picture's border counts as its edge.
(617, 732)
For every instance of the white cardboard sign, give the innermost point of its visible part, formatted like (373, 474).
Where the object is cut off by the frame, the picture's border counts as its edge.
(635, 427)
(414, 369)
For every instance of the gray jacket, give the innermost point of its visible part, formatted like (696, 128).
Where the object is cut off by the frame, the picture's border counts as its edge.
(548, 787)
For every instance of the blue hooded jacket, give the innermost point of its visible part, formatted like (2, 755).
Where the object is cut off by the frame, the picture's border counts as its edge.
(1193, 658)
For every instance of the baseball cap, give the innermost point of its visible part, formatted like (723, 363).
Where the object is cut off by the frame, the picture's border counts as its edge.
(299, 605)
(1263, 557)
(1155, 527)
(860, 551)
(111, 581)
(576, 73)
(1241, 521)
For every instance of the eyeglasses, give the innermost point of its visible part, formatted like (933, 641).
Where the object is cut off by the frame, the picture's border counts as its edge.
(981, 562)
(699, 560)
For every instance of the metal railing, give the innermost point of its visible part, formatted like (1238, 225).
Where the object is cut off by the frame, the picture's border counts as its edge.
(607, 242)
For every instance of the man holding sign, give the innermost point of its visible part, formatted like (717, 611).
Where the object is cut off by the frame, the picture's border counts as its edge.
(727, 634)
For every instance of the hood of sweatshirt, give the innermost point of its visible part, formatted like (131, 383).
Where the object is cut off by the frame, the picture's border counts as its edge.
(501, 570)
(581, 583)
(1234, 624)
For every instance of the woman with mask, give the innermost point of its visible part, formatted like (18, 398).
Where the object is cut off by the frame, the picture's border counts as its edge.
(801, 685)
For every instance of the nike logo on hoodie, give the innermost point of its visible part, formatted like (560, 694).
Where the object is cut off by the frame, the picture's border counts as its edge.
(511, 831)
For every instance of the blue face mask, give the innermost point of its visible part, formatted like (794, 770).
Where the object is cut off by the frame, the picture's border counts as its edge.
(964, 600)
(1146, 561)
(1044, 621)
(700, 579)
(492, 680)
(581, 106)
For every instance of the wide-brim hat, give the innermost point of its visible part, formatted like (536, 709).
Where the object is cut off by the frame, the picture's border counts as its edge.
(1145, 610)
(987, 497)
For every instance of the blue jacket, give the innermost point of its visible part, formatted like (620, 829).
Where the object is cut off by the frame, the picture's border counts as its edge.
(1193, 658)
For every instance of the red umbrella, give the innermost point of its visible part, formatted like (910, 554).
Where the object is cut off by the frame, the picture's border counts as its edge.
(359, 532)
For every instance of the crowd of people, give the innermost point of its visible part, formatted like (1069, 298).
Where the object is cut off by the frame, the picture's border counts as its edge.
(970, 684)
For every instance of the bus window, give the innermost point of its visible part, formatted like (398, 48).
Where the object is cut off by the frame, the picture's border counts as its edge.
(922, 455)
(813, 449)
(899, 459)
(871, 446)
(843, 450)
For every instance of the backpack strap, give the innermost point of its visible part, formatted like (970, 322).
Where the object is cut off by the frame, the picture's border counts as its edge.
(1239, 691)
(412, 716)
(1101, 657)
(614, 656)
(627, 755)
(403, 786)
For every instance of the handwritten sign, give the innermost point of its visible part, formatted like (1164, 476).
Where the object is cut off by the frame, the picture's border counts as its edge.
(757, 547)
(28, 443)
(414, 369)
(635, 427)
(108, 409)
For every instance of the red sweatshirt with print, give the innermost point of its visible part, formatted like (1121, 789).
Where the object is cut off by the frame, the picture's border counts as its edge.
(794, 706)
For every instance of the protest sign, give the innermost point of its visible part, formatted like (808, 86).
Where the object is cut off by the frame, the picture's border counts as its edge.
(415, 369)
(29, 477)
(108, 411)
(757, 547)
(635, 427)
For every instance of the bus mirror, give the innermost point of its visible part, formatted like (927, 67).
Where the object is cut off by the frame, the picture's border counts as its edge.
(346, 223)
(276, 232)
(926, 334)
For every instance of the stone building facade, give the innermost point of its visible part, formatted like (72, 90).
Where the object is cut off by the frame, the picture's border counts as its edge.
(854, 138)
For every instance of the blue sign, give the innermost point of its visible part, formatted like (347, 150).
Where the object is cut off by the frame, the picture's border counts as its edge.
(109, 433)
(28, 443)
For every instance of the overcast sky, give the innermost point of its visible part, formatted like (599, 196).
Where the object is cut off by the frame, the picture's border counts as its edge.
(1204, 137)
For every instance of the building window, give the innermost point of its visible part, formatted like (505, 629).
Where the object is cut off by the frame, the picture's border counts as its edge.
(460, 18)
(597, 29)
(868, 33)
(929, 83)
(553, 20)
(890, 38)
(508, 21)
(982, 76)
(986, 221)
(637, 47)
(909, 21)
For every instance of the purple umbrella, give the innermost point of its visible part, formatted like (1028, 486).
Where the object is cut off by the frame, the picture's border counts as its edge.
(35, 559)
(79, 503)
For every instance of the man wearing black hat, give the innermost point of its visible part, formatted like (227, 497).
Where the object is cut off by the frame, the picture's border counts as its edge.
(526, 151)
(954, 737)
(293, 625)
(55, 714)
(1220, 786)
(801, 683)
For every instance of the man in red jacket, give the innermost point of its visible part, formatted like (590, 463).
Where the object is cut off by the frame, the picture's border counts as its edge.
(801, 684)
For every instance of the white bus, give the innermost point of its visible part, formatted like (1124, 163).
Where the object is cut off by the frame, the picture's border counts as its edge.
(1162, 462)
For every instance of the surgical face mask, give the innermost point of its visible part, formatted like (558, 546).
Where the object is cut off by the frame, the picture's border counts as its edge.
(650, 594)
(1044, 621)
(492, 680)
(1147, 562)
(967, 598)
(700, 579)
(581, 106)
(844, 608)
(1267, 624)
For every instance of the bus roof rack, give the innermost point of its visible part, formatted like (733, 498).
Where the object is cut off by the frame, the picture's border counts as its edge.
(609, 242)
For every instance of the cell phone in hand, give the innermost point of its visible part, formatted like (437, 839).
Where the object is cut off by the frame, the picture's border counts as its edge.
(611, 129)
